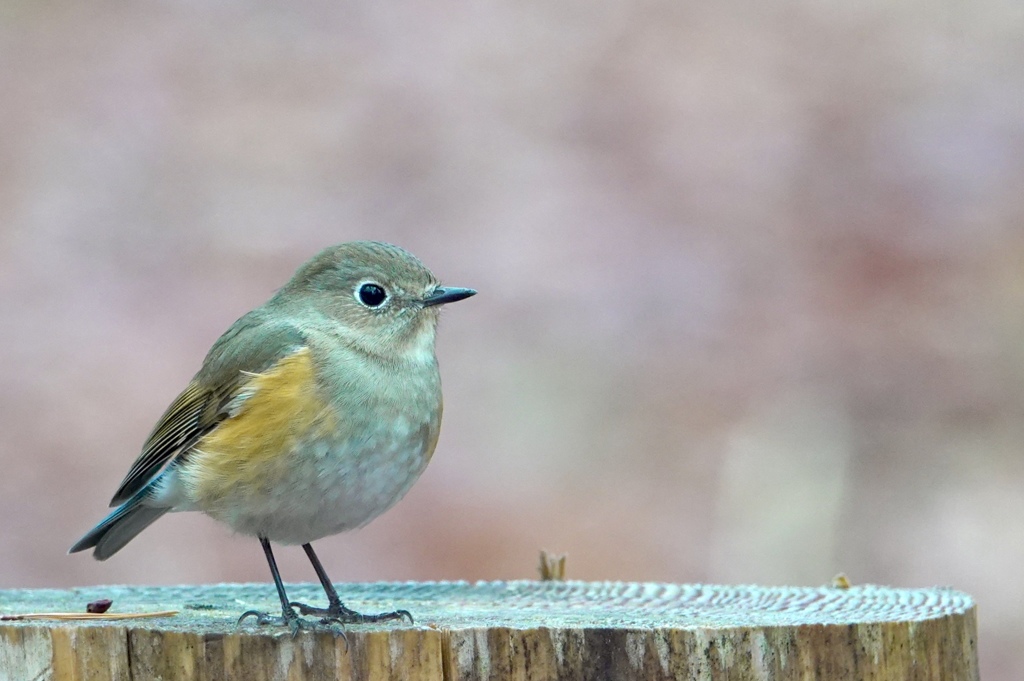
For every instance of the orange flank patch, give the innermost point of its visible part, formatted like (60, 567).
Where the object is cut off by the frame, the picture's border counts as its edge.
(248, 452)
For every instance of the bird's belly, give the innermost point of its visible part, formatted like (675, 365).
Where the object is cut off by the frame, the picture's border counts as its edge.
(323, 486)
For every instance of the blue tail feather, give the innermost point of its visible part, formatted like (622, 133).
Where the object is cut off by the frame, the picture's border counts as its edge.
(120, 526)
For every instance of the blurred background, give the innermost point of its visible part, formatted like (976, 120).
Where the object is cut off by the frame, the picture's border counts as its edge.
(751, 278)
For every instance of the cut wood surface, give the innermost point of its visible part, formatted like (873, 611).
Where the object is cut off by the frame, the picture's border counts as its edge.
(500, 631)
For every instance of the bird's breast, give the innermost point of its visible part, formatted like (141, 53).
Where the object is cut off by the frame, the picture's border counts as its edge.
(302, 460)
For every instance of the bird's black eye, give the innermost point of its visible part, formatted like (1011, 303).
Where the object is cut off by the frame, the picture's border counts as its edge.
(371, 295)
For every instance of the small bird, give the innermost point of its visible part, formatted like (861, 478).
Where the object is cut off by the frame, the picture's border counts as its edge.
(312, 415)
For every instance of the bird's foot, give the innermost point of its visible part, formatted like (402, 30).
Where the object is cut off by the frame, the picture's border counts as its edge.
(337, 613)
(287, 618)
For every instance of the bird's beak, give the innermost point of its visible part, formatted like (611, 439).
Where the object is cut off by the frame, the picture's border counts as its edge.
(447, 294)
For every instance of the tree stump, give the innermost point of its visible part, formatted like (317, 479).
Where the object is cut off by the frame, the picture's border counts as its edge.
(501, 631)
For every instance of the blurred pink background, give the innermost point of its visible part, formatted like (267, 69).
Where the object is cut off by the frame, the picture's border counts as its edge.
(751, 278)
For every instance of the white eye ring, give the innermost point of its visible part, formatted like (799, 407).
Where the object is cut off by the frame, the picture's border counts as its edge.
(371, 294)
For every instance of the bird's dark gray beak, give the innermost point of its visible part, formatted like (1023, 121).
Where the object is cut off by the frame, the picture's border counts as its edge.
(447, 294)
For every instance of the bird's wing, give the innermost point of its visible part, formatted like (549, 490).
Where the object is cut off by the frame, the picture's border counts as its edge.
(247, 348)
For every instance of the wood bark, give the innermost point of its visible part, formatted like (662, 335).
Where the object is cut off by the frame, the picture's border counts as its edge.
(500, 631)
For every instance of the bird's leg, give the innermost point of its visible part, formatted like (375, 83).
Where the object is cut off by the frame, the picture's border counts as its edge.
(336, 610)
(288, 616)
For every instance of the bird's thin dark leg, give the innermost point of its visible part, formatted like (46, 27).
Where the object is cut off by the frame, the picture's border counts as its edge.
(288, 616)
(336, 610)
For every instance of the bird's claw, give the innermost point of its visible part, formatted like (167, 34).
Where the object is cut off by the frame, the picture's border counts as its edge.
(332, 618)
(288, 618)
(261, 618)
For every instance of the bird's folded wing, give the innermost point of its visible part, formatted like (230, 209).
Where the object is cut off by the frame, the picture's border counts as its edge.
(211, 397)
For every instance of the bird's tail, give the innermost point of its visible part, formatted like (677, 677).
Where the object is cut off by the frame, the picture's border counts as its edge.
(120, 527)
